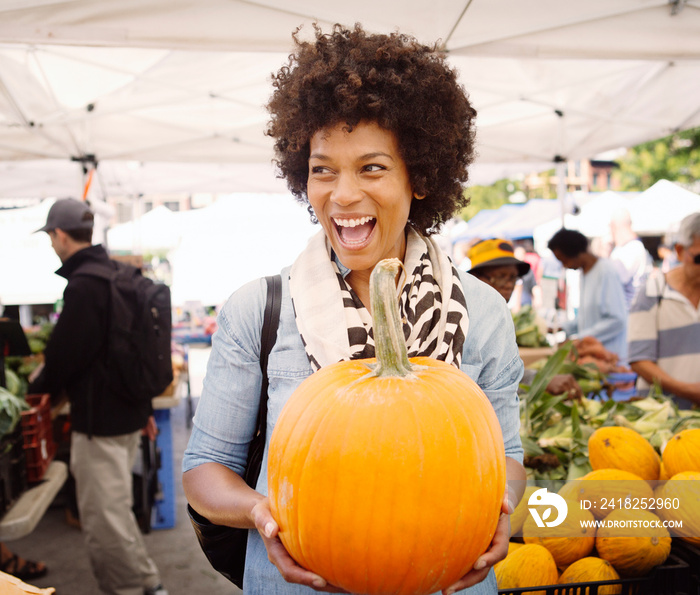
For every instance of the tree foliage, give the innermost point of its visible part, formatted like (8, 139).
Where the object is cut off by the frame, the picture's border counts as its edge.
(488, 197)
(675, 158)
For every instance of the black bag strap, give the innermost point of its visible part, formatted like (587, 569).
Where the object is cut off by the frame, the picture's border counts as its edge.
(268, 337)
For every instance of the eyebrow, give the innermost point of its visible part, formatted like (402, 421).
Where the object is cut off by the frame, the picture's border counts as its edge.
(365, 157)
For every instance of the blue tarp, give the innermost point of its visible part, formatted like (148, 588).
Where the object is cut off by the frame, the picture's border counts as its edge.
(521, 224)
(484, 221)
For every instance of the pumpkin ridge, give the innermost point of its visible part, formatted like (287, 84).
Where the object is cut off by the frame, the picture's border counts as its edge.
(478, 422)
(406, 578)
(303, 470)
(455, 537)
(313, 439)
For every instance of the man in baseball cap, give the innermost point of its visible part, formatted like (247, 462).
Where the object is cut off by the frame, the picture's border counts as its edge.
(105, 425)
(69, 214)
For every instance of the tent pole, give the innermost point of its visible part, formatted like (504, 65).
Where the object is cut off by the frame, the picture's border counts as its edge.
(561, 187)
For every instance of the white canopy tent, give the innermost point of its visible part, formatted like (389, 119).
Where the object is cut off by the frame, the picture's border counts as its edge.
(654, 212)
(212, 251)
(154, 81)
(168, 95)
(660, 208)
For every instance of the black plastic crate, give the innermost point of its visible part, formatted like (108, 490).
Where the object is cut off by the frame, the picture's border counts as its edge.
(13, 468)
(671, 578)
(690, 554)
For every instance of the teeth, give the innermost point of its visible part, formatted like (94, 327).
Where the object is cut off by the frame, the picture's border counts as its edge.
(352, 222)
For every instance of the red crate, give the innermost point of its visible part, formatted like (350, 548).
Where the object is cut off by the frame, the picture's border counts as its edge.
(13, 469)
(37, 431)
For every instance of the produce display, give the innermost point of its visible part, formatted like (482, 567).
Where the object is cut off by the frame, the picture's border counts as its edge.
(609, 446)
(19, 368)
(529, 328)
(11, 407)
(555, 429)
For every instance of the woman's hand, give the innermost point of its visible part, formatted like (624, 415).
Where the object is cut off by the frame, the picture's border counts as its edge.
(496, 552)
(278, 555)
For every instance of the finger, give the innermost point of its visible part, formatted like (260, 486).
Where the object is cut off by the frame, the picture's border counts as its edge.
(509, 501)
(292, 572)
(264, 522)
(468, 580)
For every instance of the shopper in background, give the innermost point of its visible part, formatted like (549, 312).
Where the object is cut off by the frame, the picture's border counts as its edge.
(25, 570)
(602, 309)
(528, 292)
(629, 255)
(375, 135)
(494, 263)
(664, 323)
(106, 426)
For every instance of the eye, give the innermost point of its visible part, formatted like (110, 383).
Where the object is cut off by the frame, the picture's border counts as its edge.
(318, 169)
(373, 168)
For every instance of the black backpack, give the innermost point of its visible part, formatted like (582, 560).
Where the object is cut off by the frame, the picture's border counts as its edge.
(140, 329)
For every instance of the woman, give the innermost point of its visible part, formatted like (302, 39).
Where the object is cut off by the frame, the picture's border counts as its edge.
(374, 134)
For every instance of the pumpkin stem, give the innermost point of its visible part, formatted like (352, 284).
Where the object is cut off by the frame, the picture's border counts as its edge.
(390, 345)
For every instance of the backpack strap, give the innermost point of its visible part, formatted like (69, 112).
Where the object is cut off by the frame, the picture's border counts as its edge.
(268, 337)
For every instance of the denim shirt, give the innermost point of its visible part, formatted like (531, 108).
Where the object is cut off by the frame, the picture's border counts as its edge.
(226, 415)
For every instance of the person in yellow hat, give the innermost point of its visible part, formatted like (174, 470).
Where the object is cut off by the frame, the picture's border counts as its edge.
(493, 261)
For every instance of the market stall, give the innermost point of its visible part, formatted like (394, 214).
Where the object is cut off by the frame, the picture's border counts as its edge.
(601, 455)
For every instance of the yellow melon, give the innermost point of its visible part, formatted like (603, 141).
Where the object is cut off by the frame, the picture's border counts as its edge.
(682, 452)
(636, 545)
(592, 569)
(605, 490)
(613, 447)
(567, 542)
(679, 500)
(528, 566)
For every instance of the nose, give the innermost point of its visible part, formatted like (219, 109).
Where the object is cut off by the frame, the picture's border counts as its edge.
(346, 190)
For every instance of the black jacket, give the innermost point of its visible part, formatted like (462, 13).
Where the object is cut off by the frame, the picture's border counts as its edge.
(76, 355)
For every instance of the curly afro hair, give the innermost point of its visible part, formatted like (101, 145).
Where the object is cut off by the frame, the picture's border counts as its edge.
(406, 87)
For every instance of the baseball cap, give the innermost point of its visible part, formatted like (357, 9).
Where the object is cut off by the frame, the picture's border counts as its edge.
(495, 252)
(68, 213)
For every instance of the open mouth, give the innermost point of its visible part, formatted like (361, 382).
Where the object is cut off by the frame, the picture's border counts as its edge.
(354, 232)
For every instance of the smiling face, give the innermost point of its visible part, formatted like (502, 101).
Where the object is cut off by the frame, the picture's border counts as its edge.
(360, 191)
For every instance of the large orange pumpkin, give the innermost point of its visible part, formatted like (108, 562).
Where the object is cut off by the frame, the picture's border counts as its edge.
(613, 447)
(387, 478)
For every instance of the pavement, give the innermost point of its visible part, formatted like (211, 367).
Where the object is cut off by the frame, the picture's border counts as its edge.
(183, 567)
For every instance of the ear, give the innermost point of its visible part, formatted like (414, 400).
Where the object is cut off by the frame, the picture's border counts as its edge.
(679, 251)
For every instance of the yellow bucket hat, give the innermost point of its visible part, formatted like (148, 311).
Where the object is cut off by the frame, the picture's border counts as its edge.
(495, 252)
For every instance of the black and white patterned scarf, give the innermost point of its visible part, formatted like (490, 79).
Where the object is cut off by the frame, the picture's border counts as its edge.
(323, 300)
